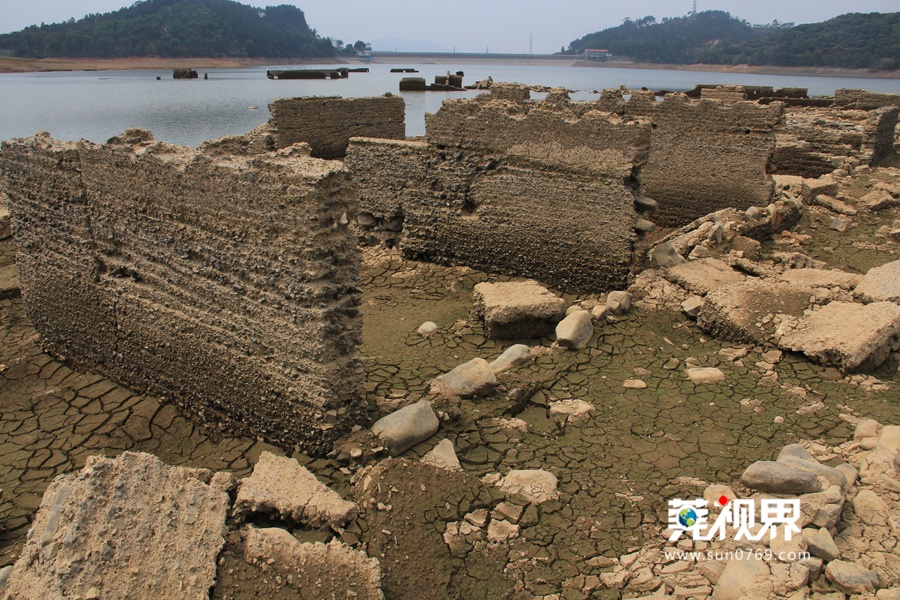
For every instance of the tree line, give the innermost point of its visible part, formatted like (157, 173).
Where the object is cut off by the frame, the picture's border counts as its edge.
(175, 28)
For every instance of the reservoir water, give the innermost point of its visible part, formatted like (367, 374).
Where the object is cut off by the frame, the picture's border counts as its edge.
(96, 105)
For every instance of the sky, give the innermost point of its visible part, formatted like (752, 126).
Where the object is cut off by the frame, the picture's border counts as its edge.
(508, 26)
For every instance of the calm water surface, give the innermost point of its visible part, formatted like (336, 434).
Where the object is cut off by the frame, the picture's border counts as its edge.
(100, 104)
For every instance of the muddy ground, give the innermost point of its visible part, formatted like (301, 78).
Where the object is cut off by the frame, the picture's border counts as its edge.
(616, 468)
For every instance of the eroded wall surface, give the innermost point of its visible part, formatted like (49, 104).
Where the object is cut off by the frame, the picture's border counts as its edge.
(509, 185)
(706, 155)
(864, 99)
(328, 123)
(225, 284)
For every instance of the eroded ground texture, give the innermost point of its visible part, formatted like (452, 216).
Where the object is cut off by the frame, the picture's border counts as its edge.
(660, 437)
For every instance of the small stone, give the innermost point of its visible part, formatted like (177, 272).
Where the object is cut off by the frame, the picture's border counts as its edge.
(427, 329)
(672, 364)
(443, 456)
(692, 306)
(643, 204)
(644, 226)
(511, 357)
(478, 517)
(715, 492)
(778, 420)
(820, 543)
(838, 225)
(701, 375)
(508, 511)
(570, 409)
(867, 428)
(501, 531)
(634, 384)
(468, 380)
(851, 578)
(664, 255)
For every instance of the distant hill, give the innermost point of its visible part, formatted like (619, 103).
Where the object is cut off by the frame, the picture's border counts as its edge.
(852, 41)
(175, 28)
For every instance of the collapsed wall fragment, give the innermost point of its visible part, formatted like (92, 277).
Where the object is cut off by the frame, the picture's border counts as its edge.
(227, 284)
(542, 189)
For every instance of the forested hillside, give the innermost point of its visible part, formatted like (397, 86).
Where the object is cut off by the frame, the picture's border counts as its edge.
(855, 41)
(174, 28)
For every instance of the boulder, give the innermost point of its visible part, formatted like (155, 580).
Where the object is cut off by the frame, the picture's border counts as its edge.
(332, 570)
(851, 578)
(534, 485)
(281, 487)
(95, 526)
(403, 429)
(778, 478)
(443, 456)
(517, 309)
(845, 335)
(575, 331)
(474, 378)
(881, 283)
(704, 275)
(511, 357)
(619, 303)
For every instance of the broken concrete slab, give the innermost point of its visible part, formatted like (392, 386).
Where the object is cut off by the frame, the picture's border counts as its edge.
(703, 276)
(825, 278)
(845, 335)
(94, 526)
(470, 379)
(518, 309)
(403, 429)
(744, 312)
(880, 283)
(534, 485)
(332, 570)
(281, 487)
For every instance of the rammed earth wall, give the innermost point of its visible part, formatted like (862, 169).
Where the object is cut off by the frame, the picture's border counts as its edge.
(328, 123)
(510, 185)
(226, 284)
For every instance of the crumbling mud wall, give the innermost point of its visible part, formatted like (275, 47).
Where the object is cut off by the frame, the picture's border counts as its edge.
(705, 155)
(228, 285)
(864, 99)
(812, 139)
(328, 123)
(509, 185)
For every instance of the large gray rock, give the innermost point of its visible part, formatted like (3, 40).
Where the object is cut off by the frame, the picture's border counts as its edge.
(851, 578)
(881, 283)
(403, 429)
(778, 478)
(314, 570)
(828, 475)
(95, 526)
(517, 309)
(575, 331)
(474, 378)
(845, 335)
(283, 488)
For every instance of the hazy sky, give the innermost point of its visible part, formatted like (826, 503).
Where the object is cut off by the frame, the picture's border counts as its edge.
(474, 25)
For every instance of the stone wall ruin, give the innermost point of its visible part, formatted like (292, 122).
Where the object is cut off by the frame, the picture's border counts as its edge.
(328, 123)
(542, 189)
(226, 284)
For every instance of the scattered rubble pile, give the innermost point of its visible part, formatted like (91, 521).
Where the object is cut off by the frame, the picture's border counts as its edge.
(846, 545)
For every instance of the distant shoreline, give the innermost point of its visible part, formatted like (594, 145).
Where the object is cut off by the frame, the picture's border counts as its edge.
(23, 65)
